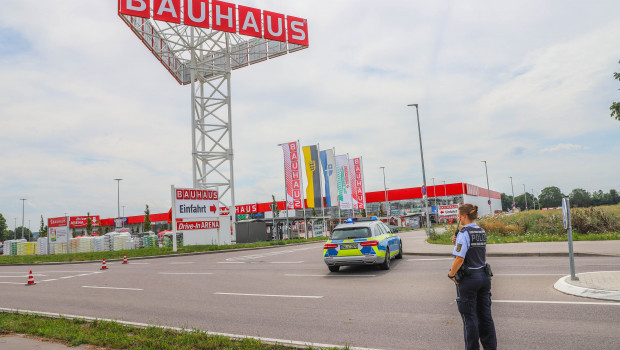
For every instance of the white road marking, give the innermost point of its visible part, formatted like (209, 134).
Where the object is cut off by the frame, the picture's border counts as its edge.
(179, 263)
(338, 275)
(13, 283)
(295, 343)
(556, 302)
(430, 259)
(264, 255)
(138, 263)
(25, 276)
(51, 279)
(117, 288)
(273, 295)
(185, 273)
(231, 262)
(286, 262)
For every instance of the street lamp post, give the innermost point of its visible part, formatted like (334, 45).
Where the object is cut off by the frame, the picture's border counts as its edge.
(525, 196)
(533, 200)
(15, 230)
(428, 220)
(513, 194)
(385, 190)
(23, 201)
(118, 197)
(434, 194)
(445, 192)
(488, 187)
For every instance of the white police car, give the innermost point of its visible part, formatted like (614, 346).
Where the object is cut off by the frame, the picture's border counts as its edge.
(362, 241)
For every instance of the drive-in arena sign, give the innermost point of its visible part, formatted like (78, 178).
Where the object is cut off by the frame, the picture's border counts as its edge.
(200, 42)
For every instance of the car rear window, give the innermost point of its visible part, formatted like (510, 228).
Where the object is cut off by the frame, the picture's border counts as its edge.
(351, 233)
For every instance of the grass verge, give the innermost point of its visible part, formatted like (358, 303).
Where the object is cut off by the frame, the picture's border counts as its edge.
(118, 336)
(589, 224)
(94, 256)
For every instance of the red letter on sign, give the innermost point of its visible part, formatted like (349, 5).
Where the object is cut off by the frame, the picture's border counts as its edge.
(224, 16)
(250, 21)
(196, 13)
(297, 30)
(167, 10)
(139, 8)
(274, 26)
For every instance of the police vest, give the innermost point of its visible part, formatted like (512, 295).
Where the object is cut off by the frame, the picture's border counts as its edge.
(476, 254)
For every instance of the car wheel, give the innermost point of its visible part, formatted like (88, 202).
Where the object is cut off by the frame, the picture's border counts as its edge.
(400, 251)
(333, 268)
(386, 264)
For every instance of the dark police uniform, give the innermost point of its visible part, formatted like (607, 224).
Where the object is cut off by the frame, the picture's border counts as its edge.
(474, 289)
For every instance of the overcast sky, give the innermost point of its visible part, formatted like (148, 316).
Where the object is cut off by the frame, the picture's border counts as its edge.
(524, 85)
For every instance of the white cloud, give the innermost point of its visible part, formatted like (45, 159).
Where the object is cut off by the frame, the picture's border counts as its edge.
(562, 147)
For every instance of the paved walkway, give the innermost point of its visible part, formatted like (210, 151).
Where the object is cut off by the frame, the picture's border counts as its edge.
(22, 342)
(603, 285)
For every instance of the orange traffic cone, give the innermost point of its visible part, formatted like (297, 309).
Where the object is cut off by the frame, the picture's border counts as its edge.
(124, 258)
(30, 279)
(103, 267)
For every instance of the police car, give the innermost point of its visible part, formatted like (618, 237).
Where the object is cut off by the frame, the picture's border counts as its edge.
(362, 241)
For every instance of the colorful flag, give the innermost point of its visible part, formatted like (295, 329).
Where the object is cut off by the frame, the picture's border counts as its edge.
(343, 180)
(328, 163)
(292, 175)
(313, 174)
(357, 183)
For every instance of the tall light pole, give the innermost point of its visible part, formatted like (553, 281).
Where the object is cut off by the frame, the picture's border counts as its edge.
(488, 187)
(118, 197)
(428, 219)
(23, 201)
(15, 230)
(445, 192)
(533, 200)
(123, 211)
(525, 196)
(513, 194)
(385, 189)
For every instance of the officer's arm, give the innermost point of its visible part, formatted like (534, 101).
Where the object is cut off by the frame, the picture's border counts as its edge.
(456, 265)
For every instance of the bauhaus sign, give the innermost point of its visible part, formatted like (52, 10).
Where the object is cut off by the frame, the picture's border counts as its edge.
(196, 203)
(221, 16)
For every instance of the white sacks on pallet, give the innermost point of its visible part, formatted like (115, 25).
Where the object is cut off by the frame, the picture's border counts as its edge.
(42, 246)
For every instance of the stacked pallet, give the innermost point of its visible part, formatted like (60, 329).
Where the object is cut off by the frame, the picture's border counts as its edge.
(167, 242)
(150, 241)
(85, 244)
(119, 241)
(60, 248)
(42, 246)
(98, 243)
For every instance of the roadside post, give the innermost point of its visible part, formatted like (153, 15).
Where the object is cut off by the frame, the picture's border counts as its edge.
(569, 231)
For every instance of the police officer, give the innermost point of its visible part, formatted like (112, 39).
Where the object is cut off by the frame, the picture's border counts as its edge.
(471, 275)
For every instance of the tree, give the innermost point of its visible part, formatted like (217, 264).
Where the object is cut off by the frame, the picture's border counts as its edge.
(550, 197)
(3, 232)
(506, 202)
(520, 201)
(89, 224)
(614, 198)
(580, 198)
(274, 207)
(43, 228)
(146, 227)
(27, 233)
(615, 106)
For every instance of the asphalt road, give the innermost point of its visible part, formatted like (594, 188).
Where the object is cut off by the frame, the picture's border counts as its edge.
(288, 293)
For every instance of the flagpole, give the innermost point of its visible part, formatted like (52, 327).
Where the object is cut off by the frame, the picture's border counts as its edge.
(349, 172)
(363, 182)
(285, 194)
(303, 201)
(318, 151)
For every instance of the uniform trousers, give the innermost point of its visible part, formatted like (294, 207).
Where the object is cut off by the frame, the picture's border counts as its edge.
(474, 303)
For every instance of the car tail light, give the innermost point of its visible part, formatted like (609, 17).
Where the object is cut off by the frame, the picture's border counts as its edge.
(370, 243)
(330, 246)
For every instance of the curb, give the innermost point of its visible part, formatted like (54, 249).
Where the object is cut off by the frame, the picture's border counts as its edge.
(162, 256)
(563, 286)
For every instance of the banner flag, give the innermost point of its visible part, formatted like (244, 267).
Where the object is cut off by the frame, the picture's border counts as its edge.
(328, 163)
(343, 180)
(359, 192)
(292, 175)
(313, 174)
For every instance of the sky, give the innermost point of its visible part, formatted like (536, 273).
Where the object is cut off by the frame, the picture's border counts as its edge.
(524, 85)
